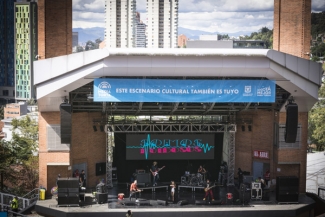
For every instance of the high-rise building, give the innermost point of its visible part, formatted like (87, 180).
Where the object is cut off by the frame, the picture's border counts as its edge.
(182, 40)
(120, 23)
(25, 48)
(54, 28)
(292, 27)
(7, 43)
(75, 39)
(162, 23)
(140, 32)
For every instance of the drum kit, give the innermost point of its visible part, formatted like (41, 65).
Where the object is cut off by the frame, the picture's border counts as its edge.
(195, 179)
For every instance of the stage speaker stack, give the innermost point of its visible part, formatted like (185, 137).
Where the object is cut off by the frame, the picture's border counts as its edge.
(291, 123)
(287, 189)
(162, 202)
(68, 191)
(65, 121)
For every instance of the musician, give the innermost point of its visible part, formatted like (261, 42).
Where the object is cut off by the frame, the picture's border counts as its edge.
(172, 190)
(202, 171)
(134, 190)
(82, 179)
(208, 190)
(154, 171)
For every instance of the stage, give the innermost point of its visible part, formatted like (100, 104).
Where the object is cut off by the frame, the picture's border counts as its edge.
(157, 202)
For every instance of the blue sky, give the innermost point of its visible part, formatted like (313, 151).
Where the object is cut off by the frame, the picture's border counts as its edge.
(228, 16)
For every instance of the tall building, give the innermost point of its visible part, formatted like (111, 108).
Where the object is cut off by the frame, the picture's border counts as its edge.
(54, 28)
(7, 42)
(182, 39)
(140, 32)
(120, 23)
(162, 23)
(75, 39)
(292, 27)
(25, 48)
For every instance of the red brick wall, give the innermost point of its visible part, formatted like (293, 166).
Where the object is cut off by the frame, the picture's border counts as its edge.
(292, 27)
(47, 176)
(288, 161)
(87, 146)
(54, 28)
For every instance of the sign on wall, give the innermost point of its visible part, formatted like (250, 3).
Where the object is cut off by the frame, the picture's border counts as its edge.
(166, 90)
(261, 154)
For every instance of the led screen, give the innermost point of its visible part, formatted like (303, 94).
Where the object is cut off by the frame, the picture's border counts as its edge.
(169, 146)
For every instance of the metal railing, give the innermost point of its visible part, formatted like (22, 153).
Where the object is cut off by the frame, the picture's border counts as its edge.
(23, 202)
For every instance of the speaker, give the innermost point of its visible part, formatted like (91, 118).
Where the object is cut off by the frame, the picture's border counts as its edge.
(66, 200)
(68, 183)
(143, 178)
(144, 203)
(287, 189)
(182, 202)
(291, 123)
(65, 127)
(200, 202)
(101, 197)
(100, 169)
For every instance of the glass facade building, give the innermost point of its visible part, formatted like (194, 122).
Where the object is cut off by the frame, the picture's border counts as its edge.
(7, 78)
(25, 49)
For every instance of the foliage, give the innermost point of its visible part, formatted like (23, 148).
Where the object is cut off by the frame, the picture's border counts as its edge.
(318, 24)
(90, 45)
(264, 34)
(318, 51)
(316, 123)
(18, 166)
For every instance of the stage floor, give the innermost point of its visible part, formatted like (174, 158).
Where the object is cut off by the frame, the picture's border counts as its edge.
(157, 202)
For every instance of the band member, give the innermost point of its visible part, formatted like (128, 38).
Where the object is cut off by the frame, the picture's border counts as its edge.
(134, 190)
(172, 189)
(154, 171)
(82, 179)
(208, 190)
(202, 171)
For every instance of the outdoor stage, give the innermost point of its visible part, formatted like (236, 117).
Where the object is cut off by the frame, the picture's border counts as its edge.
(157, 202)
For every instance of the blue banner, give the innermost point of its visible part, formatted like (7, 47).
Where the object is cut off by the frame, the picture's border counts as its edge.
(163, 90)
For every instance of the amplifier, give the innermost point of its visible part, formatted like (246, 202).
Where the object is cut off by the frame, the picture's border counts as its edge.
(141, 171)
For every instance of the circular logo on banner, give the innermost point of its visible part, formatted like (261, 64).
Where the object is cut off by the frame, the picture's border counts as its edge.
(104, 89)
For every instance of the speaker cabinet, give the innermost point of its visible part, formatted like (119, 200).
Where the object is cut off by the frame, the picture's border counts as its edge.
(65, 128)
(291, 123)
(143, 178)
(287, 189)
(101, 197)
(182, 202)
(68, 183)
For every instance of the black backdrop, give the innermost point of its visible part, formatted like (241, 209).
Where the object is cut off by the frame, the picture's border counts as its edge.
(173, 170)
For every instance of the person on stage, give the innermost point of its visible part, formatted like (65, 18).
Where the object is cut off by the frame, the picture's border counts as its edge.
(202, 171)
(154, 171)
(267, 177)
(172, 190)
(82, 179)
(208, 190)
(134, 190)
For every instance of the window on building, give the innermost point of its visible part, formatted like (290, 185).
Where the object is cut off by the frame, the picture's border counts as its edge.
(54, 139)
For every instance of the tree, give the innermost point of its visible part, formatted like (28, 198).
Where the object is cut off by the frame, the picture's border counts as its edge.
(18, 163)
(1, 112)
(316, 125)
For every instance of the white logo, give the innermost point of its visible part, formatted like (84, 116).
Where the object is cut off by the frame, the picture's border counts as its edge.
(266, 91)
(248, 89)
(104, 89)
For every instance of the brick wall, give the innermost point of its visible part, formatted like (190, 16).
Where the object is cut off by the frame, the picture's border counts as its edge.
(282, 161)
(54, 28)
(292, 27)
(48, 161)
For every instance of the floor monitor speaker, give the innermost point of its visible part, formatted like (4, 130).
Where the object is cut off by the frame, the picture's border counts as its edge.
(182, 202)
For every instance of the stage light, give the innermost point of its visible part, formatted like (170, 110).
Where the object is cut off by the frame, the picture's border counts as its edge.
(242, 128)
(160, 105)
(95, 128)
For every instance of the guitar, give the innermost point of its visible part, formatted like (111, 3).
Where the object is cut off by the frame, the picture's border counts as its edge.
(206, 189)
(155, 173)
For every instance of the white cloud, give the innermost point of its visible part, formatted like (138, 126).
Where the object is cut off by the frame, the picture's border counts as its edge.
(225, 16)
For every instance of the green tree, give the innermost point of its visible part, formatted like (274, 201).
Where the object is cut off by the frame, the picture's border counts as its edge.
(1, 112)
(19, 165)
(316, 125)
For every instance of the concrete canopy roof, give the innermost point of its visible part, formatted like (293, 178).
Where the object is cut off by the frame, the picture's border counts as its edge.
(57, 77)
